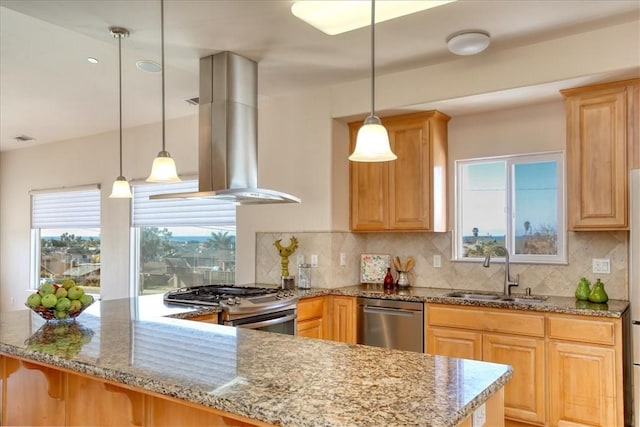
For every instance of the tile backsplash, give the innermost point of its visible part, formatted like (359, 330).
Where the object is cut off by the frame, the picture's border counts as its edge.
(544, 279)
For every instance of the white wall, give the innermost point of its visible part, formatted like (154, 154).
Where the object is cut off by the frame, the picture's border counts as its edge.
(302, 148)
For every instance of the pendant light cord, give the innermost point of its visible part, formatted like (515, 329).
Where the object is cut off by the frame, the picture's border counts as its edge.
(373, 75)
(162, 60)
(120, 93)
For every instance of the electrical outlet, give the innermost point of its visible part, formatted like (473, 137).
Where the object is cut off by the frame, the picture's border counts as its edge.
(601, 265)
(314, 260)
(437, 261)
(479, 417)
(343, 259)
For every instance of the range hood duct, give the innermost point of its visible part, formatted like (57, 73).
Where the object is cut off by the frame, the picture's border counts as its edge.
(228, 134)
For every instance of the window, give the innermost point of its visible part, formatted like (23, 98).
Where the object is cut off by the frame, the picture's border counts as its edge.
(516, 202)
(180, 242)
(65, 237)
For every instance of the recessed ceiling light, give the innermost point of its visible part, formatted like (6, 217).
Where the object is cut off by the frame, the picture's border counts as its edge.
(468, 42)
(336, 17)
(148, 66)
(92, 60)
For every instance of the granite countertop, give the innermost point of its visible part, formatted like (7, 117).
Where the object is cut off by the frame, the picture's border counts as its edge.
(552, 304)
(279, 379)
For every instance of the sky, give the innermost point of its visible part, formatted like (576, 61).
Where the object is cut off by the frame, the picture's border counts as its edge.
(484, 197)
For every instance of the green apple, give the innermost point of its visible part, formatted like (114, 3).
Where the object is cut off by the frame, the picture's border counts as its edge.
(68, 283)
(34, 300)
(49, 300)
(63, 304)
(75, 292)
(61, 292)
(75, 306)
(86, 300)
(61, 314)
(47, 289)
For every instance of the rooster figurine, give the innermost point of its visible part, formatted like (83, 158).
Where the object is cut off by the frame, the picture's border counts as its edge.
(285, 252)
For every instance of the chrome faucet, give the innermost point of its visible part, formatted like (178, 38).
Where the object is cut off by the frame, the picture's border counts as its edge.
(508, 283)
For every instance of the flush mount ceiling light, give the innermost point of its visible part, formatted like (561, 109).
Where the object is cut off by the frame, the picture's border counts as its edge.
(468, 42)
(163, 168)
(120, 189)
(93, 60)
(336, 17)
(148, 66)
(372, 141)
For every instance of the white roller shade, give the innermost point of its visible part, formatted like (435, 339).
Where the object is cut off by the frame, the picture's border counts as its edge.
(66, 208)
(178, 212)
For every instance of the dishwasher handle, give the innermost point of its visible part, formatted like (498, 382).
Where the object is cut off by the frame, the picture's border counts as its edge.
(390, 311)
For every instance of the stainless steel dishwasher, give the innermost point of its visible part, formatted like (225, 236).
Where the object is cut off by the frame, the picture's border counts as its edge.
(391, 324)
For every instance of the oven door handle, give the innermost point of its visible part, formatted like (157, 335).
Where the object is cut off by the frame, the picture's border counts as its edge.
(264, 323)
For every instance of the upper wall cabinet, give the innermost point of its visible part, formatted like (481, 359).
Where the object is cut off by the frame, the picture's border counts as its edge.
(602, 144)
(410, 193)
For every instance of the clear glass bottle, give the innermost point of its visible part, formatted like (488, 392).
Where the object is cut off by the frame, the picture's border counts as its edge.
(304, 276)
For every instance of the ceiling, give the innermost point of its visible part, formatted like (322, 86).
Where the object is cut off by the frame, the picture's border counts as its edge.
(49, 91)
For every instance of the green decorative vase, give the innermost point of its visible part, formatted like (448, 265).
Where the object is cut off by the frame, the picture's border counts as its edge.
(598, 293)
(583, 290)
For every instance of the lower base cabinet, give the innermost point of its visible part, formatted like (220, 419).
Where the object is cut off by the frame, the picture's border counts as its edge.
(524, 398)
(312, 318)
(40, 395)
(331, 317)
(343, 319)
(567, 368)
(585, 364)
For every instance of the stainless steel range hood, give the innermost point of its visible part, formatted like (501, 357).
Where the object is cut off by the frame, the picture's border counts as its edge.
(228, 134)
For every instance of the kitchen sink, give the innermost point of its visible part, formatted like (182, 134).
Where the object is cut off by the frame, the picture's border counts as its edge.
(473, 295)
(480, 296)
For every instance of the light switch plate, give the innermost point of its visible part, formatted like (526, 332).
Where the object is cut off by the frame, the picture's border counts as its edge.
(601, 265)
(479, 417)
(314, 260)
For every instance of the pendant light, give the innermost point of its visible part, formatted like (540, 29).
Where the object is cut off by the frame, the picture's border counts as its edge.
(163, 168)
(372, 141)
(120, 189)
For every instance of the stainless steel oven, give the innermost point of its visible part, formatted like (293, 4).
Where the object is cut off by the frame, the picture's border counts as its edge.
(253, 307)
(282, 322)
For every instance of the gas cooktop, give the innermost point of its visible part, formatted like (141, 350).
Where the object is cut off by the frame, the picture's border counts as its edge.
(229, 296)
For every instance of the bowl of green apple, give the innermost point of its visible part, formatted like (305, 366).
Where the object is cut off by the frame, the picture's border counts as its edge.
(59, 301)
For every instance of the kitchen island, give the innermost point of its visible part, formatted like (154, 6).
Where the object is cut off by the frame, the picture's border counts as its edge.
(128, 354)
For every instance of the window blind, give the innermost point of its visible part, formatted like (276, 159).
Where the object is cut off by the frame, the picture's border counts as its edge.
(66, 208)
(178, 212)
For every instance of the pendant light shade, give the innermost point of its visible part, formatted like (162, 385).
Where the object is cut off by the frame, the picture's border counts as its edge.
(121, 189)
(372, 141)
(163, 168)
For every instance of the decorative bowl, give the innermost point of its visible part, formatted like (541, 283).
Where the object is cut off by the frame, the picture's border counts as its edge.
(50, 313)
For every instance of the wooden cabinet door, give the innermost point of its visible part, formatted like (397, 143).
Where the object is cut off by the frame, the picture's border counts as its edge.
(597, 159)
(409, 193)
(582, 385)
(409, 176)
(524, 395)
(369, 191)
(454, 343)
(312, 328)
(312, 314)
(343, 319)
(633, 125)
